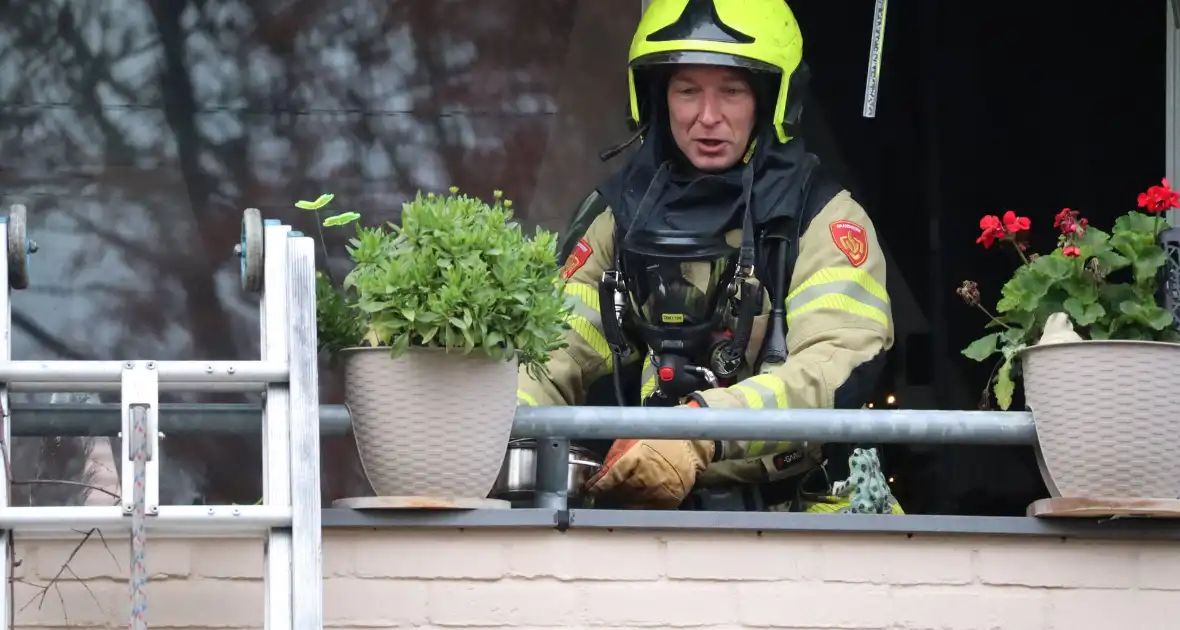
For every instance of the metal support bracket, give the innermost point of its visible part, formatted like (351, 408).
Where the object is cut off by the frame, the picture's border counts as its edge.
(552, 474)
(140, 412)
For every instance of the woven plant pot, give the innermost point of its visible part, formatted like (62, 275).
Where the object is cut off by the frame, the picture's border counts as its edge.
(1107, 415)
(430, 423)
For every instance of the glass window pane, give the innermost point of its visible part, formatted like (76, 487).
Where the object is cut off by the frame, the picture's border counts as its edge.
(137, 132)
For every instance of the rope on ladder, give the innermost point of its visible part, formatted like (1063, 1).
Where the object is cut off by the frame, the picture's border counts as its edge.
(138, 582)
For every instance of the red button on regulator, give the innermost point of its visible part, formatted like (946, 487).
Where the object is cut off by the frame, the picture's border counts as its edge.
(666, 373)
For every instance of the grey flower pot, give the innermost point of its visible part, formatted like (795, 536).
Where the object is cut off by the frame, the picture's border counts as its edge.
(1107, 415)
(430, 423)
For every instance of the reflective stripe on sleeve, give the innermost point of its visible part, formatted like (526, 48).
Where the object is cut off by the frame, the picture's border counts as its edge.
(586, 320)
(764, 391)
(524, 398)
(759, 448)
(852, 291)
(648, 379)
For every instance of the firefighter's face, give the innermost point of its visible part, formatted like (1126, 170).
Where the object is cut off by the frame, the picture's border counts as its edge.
(712, 115)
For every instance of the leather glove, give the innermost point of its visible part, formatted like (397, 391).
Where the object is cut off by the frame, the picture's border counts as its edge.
(652, 474)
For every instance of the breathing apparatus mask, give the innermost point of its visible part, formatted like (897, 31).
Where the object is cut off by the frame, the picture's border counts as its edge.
(689, 296)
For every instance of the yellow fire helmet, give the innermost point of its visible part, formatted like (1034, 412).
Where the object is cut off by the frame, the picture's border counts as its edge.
(759, 35)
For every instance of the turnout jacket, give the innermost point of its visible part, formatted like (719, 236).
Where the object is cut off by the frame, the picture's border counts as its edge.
(839, 326)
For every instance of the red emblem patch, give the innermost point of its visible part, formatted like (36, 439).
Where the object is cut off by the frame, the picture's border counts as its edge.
(851, 239)
(577, 258)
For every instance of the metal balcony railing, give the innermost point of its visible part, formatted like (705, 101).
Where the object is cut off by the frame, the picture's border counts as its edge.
(902, 426)
(556, 426)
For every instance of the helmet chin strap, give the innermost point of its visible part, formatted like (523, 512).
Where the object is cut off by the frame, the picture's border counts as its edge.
(610, 153)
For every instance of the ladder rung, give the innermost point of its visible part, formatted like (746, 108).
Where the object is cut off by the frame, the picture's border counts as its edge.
(196, 372)
(235, 387)
(189, 519)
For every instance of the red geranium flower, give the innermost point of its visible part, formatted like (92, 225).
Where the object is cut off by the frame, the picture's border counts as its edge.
(1159, 198)
(1063, 218)
(1067, 221)
(1071, 251)
(1015, 224)
(992, 228)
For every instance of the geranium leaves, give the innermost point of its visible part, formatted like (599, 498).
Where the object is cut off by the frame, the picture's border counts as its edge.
(1106, 283)
(1005, 385)
(1083, 311)
(1081, 286)
(983, 347)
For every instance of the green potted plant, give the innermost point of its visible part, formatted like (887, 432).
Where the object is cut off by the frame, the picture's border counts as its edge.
(1083, 329)
(432, 324)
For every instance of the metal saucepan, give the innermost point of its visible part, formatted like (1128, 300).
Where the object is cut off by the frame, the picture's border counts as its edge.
(518, 475)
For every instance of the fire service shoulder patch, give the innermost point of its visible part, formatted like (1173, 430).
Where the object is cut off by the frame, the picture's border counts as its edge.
(577, 258)
(852, 239)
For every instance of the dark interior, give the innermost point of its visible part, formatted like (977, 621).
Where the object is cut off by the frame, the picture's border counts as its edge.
(137, 151)
(985, 108)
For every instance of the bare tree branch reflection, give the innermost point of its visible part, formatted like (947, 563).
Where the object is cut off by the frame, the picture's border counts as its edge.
(137, 131)
(51, 343)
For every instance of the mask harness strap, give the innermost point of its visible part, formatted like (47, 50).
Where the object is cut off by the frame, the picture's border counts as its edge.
(612, 300)
(658, 181)
(727, 357)
(746, 257)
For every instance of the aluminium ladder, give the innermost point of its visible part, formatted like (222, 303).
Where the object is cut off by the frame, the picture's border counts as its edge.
(279, 263)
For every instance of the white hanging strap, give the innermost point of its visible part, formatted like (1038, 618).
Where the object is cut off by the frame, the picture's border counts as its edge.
(876, 44)
(141, 453)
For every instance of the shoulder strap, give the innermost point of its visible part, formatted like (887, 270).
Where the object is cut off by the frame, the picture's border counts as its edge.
(593, 205)
(819, 189)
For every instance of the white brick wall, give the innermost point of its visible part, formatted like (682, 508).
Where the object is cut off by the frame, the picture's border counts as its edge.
(628, 579)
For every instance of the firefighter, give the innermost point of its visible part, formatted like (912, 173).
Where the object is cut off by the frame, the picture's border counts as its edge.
(724, 266)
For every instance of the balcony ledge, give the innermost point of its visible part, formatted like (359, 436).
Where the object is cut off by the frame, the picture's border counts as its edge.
(910, 525)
